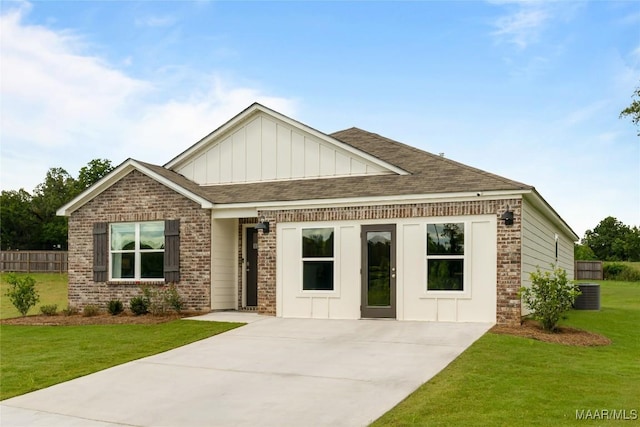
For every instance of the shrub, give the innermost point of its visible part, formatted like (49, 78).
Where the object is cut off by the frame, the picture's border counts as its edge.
(49, 310)
(70, 310)
(621, 272)
(91, 310)
(115, 307)
(139, 305)
(173, 298)
(549, 296)
(22, 292)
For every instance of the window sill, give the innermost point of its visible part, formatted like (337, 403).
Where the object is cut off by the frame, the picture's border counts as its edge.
(137, 282)
(446, 295)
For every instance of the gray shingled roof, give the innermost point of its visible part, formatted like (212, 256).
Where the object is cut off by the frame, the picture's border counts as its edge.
(428, 173)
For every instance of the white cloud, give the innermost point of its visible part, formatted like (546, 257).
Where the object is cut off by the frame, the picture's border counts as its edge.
(61, 106)
(522, 27)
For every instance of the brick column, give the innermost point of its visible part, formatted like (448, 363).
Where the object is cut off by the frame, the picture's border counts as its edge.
(267, 267)
(509, 267)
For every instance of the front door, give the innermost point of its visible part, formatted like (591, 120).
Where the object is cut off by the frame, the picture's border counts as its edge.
(251, 267)
(378, 271)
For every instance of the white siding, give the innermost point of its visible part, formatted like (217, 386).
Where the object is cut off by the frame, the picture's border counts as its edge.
(538, 244)
(476, 304)
(265, 149)
(224, 255)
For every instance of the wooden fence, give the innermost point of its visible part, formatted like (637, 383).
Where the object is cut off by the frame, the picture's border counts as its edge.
(589, 270)
(34, 261)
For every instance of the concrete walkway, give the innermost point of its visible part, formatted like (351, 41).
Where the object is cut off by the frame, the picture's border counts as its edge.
(271, 372)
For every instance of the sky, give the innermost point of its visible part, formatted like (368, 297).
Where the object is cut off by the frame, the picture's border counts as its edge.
(528, 90)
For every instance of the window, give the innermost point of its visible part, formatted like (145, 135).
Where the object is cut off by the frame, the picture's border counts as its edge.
(137, 250)
(445, 257)
(317, 259)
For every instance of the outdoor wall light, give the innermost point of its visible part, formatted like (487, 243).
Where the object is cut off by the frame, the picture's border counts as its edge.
(507, 216)
(263, 225)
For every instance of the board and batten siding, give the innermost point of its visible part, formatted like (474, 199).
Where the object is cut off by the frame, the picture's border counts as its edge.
(223, 264)
(476, 304)
(539, 244)
(266, 149)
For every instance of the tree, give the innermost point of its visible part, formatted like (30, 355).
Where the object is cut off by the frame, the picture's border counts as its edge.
(18, 225)
(633, 110)
(611, 240)
(22, 292)
(583, 253)
(95, 170)
(30, 221)
(57, 189)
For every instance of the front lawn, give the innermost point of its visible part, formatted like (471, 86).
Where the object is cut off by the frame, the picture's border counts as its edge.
(34, 357)
(509, 381)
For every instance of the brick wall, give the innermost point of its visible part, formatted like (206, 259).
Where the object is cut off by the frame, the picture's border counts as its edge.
(137, 197)
(508, 243)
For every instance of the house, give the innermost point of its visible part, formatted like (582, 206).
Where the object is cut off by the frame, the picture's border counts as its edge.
(269, 214)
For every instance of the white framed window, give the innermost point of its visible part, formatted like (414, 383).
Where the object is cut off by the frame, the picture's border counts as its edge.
(446, 257)
(136, 250)
(318, 259)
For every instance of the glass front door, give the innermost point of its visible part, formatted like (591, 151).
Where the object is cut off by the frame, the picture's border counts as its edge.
(378, 271)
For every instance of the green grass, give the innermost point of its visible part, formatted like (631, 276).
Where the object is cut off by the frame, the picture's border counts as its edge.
(509, 381)
(34, 357)
(52, 288)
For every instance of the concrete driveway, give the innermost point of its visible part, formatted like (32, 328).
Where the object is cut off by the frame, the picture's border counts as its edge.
(271, 372)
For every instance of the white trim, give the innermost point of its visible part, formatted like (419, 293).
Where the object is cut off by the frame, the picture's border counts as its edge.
(256, 109)
(116, 175)
(375, 200)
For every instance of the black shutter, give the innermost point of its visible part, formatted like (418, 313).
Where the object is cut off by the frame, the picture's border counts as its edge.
(172, 250)
(100, 251)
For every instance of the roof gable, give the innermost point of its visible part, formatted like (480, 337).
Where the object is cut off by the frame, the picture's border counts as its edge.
(170, 179)
(261, 145)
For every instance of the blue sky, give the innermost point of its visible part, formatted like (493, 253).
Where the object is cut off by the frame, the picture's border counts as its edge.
(528, 90)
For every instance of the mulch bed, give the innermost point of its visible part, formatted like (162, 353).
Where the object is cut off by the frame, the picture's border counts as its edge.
(563, 335)
(100, 319)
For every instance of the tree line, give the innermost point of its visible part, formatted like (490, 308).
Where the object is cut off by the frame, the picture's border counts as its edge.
(610, 240)
(28, 221)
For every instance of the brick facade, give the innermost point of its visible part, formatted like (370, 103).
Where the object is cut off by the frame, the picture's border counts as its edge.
(509, 245)
(139, 198)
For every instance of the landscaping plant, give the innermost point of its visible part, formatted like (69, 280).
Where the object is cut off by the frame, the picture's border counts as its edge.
(549, 296)
(49, 309)
(22, 292)
(115, 307)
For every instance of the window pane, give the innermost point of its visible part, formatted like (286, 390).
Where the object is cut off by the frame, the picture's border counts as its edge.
(151, 265)
(123, 265)
(317, 242)
(317, 276)
(379, 268)
(445, 239)
(445, 275)
(152, 235)
(123, 237)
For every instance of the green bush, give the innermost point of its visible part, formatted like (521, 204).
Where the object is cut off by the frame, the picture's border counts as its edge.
(22, 292)
(115, 307)
(70, 310)
(91, 310)
(620, 272)
(139, 305)
(173, 298)
(549, 296)
(49, 310)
